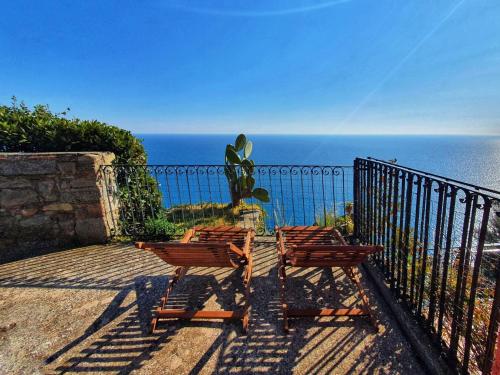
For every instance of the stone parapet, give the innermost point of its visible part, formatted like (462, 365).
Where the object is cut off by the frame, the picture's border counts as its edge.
(53, 200)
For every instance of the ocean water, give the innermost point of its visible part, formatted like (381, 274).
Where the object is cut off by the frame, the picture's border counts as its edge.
(472, 159)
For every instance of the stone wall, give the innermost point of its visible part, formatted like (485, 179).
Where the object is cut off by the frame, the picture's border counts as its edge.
(52, 200)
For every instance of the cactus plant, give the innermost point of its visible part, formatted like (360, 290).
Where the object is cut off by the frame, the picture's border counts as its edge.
(239, 170)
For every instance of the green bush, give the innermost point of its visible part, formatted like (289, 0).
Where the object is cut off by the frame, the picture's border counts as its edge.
(159, 229)
(39, 130)
(343, 223)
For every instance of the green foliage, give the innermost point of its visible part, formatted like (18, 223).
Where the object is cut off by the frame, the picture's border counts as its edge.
(493, 232)
(139, 198)
(159, 229)
(279, 215)
(213, 214)
(344, 223)
(39, 130)
(241, 185)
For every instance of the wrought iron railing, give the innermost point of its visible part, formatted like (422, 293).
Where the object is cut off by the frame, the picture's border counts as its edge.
(199, 194)
(441, 236)
(441, 257)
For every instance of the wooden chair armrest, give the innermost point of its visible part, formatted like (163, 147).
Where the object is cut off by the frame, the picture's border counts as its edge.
(280, 247)
(248, 271)
(280, 242)
(248, 243)
(339, 237)
(235, 249)
(188, 235)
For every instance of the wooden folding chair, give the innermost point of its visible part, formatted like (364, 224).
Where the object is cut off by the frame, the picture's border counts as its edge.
(313, 246)
(221, 246)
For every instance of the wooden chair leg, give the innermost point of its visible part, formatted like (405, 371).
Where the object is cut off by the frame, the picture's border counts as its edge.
(154, 321)
(245, 322)
(284, 305)
(246, 283)
(353, 274)
(180, 272)
(286, 327)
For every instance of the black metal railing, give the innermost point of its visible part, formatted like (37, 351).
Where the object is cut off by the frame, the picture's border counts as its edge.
(441, 257)
(199, 194)
(441, 236)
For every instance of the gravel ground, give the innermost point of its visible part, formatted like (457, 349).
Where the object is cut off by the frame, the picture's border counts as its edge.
(87, 310)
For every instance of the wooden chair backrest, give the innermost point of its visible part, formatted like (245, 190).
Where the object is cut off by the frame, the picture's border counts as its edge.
(223, 234)
(193, 254)
(310, 235)
(329, 255)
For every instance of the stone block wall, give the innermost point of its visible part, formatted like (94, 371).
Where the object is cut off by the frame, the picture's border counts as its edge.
(52, 200)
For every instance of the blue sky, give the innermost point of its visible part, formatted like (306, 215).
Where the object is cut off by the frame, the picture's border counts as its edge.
(355, 67)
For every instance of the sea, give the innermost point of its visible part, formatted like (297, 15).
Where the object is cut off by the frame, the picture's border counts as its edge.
(472, 159)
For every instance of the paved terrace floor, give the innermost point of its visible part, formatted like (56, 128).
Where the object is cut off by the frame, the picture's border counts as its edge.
(87, 310)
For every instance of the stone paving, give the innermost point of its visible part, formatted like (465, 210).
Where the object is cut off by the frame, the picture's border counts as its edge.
(87, 310)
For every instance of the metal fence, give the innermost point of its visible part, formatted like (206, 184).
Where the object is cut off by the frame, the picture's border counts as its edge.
(199, 194)
(441, 257)
(441, 237)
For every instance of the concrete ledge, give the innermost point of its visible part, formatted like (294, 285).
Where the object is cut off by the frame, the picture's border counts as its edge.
(423, 348)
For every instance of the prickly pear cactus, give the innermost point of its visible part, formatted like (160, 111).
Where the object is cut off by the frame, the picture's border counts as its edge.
(239, 172)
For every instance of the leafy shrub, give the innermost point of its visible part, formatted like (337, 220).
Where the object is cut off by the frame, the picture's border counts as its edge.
(139, 198)
(39, 130)
(159, 229)
(213, 214)
(343, 223)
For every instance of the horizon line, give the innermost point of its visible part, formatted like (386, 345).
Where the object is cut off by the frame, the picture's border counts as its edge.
(331, 134)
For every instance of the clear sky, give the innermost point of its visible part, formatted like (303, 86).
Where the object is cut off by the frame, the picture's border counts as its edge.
(294, 66)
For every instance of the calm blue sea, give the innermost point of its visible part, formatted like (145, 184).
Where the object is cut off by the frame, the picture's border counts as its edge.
(473, 159)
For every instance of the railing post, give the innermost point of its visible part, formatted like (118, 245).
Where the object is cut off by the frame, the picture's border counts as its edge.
(492, 357)
(356, 198)
(496, 360)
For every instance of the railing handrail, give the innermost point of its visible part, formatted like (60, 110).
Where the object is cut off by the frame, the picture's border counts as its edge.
(479, 189)
(222, 165)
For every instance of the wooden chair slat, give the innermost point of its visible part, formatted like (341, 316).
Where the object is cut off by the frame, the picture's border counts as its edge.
(223, 234)
(304, 228)
(314, 255)
(203, 314)
(195, 254)
(326, 312)
(326, 241)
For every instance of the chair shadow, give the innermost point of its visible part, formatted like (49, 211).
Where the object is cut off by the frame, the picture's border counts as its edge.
(118, 347)
(313, 345)
(194, 291)
(128, 344)
(375, 352)
(118, 340)
(266, 348)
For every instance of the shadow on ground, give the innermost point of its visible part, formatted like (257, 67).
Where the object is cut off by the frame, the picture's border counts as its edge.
(88, 310)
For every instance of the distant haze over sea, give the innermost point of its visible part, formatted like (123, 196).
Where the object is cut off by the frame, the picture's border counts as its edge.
(473, 159)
